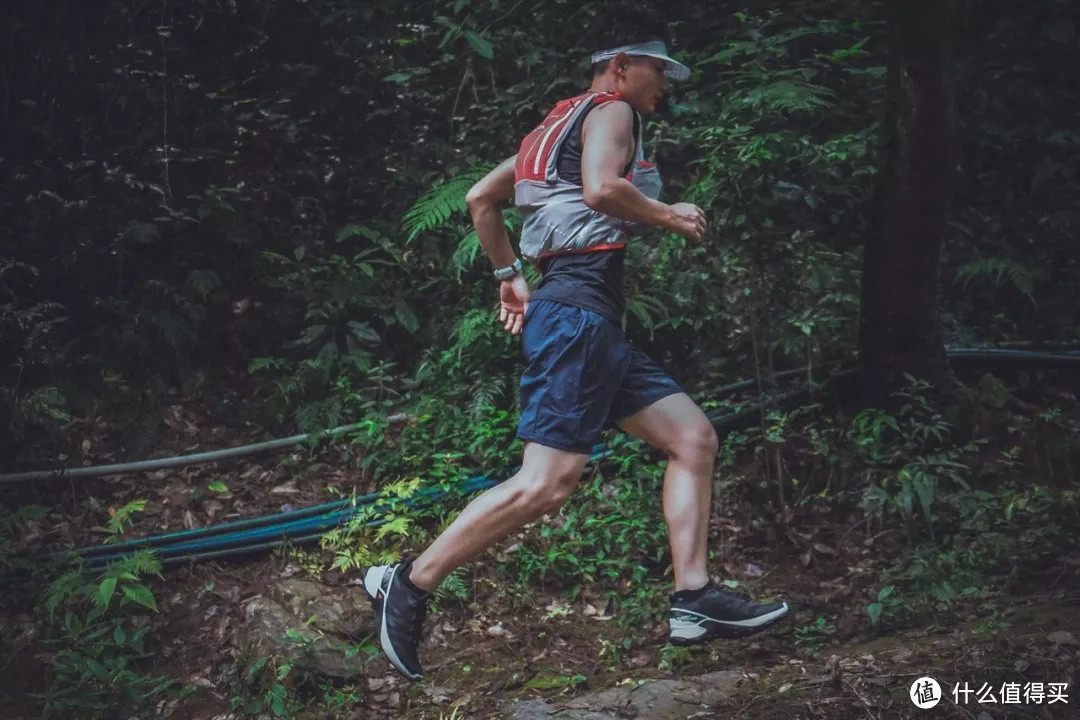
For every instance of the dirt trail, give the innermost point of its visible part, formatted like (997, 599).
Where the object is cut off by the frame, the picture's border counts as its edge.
(566, 660)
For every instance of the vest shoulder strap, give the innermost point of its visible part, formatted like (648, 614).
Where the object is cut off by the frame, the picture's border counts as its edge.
(536, 156)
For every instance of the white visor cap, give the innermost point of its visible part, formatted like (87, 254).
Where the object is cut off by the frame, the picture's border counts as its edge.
(655, 48)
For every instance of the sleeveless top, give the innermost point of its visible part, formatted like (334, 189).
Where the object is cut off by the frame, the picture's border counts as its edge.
(579, 251)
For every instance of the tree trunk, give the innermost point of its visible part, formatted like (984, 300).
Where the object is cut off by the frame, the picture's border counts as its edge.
(898, 330)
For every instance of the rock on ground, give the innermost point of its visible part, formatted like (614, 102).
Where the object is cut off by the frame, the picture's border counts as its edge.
(277, 625)
(655, 700)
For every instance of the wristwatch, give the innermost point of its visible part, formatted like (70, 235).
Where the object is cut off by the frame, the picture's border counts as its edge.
(505, 273)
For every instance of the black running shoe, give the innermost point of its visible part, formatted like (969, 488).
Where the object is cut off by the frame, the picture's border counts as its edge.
(399, 615)
(719, 612)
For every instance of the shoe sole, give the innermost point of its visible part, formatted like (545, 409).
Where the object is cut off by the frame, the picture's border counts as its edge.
(718, 629)
(373, 580)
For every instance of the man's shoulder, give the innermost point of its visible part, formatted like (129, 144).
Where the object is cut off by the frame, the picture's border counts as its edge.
(615, 114)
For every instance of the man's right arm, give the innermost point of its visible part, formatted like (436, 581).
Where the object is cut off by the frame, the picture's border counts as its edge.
(484, 200)
(608, 142)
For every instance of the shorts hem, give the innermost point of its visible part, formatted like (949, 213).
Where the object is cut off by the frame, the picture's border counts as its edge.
(675, 390)
(555, 445)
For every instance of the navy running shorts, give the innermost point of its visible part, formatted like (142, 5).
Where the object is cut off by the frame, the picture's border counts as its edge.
(581, 375)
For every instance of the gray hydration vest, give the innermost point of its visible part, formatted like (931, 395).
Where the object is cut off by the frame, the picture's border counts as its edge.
(557, 220)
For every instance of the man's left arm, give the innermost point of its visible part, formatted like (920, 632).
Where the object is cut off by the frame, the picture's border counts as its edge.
(484, 200)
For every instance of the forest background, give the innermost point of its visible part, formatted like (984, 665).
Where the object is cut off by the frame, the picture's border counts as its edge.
(258, 205)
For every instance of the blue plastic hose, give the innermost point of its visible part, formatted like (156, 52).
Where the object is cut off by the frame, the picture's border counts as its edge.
(307, 524)
(226, 539)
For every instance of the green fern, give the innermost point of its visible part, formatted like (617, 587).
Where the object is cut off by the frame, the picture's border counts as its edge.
(140, 562)
(268, 363)
(466, 253)
(475, 326)
(440, 202)
(785, 91)
(452, 585)
(61, 589)
(649, 309)
(315, 416)
(43, 404)
(1020, 275)
(122, 517)
(484, 393)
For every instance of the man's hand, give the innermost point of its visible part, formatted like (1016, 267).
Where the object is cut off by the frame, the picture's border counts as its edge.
(514, 300)
(687, 220)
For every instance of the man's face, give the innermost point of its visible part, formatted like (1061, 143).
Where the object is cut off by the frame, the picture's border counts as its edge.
(643, 82)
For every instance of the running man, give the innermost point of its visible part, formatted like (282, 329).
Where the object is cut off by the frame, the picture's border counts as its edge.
(584, 188)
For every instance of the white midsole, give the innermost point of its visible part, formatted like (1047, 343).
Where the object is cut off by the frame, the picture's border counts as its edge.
(682, 627)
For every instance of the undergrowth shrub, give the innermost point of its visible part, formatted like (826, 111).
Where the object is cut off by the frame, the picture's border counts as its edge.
(96, 646)
(611, 533)
(961, 525)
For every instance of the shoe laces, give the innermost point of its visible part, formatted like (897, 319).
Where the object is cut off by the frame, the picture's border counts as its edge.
(736, 595)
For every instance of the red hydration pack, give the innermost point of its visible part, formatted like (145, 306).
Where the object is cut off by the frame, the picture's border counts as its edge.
(538, 154)
(556, 217)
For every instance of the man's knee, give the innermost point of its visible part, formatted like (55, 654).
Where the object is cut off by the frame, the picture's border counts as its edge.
(696, 440)
(548, 491)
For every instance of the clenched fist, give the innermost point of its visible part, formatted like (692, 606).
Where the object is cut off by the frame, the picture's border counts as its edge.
(687, 220)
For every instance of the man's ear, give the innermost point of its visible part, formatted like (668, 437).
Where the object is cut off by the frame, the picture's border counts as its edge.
(621, 63)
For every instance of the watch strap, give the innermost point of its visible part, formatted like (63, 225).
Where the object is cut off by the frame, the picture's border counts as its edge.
(505, 273)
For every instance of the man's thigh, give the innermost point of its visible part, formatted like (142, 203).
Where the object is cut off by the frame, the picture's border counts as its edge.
(540, 462)
(665, 422)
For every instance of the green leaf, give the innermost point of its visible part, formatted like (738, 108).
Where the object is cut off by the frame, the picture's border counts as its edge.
(257, 666)
(885, 592)
(277, 695)
(397, 77)
(118, 635)
(406, 316)
(311, 334)
(480, 44)
(97, 669)
(363, 332)
(874, 611)
(924, 490)
(141, 595)
(218, 486)
(105, 591)
(350, 231)
(143, 233)
(203, 282)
